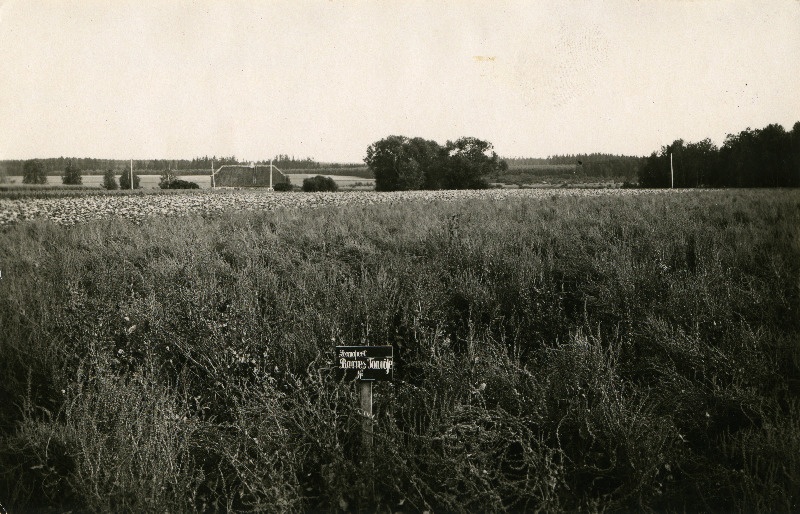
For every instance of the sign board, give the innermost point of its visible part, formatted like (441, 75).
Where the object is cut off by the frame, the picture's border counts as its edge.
(364, 362)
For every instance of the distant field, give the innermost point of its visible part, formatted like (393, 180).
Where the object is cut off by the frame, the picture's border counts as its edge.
(344, 181)
(351, 171)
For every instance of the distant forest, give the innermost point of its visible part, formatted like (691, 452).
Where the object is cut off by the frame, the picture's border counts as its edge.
(88, 165)
(595, 165)
(768, 157)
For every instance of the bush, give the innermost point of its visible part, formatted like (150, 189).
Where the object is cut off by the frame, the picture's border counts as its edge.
(178, 184)
(33, 172)
(110, 180)
(72, 175)
(319, 184)
(283, 186)
(125, 180)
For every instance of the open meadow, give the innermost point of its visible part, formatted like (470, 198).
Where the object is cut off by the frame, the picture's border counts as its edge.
(556, 350)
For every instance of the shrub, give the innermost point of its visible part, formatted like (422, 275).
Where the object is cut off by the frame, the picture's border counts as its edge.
(72, 175)
(125, 180)
(110, 180)
(178, 184)
(319, 184)
(283, 186)
(33, 172)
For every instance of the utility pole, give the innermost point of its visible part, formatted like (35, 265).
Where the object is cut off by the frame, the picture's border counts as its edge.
(131, 174)
(270, 176)
(671, 173)
(212, 173)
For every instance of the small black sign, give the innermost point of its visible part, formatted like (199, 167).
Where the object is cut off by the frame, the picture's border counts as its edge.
(364, 362)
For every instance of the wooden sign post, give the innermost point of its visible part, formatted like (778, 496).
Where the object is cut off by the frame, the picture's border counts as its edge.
(365, 364)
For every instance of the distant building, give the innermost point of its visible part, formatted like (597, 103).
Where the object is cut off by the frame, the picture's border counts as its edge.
(247, 175)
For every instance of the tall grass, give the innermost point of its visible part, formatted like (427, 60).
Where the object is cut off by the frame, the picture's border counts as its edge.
(553, 354)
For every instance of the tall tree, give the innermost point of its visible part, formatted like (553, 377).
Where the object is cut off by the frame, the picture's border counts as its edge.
(392, 162)
(72, 175)
(470, 162)
(795, 159)
(655, 171)
(430, 156)
(699, 164)
(110, 180)
(168, 176)
(33, 172)
(774, 148)
(125, 180)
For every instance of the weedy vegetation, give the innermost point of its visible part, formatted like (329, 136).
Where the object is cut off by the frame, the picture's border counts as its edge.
(554, 353)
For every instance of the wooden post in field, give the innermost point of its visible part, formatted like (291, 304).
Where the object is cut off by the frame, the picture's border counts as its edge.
(212, 173)
(131, 174)
(365, 364)
(365, 394)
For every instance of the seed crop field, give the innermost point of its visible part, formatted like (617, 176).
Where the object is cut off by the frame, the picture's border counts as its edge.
(555, 350)
(75, 207)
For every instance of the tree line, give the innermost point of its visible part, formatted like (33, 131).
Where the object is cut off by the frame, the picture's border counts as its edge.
(400, 163)
(597, 165)
(56, 165)
(767, 157)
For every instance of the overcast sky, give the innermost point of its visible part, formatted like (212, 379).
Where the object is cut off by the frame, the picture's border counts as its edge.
(324, 79)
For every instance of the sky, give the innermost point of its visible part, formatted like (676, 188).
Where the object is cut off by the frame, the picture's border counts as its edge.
(148, 79)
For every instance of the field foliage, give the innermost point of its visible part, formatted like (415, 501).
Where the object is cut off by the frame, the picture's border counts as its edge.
(560, 353)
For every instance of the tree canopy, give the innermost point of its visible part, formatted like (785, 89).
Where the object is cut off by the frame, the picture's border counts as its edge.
(71, 175)
(33, 172)
(125, 180)
(110, 180)
(768, 157)
(400, 163)
(319, 184)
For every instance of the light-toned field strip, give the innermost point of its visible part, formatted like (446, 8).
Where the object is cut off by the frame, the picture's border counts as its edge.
(79, 209)
(342, 180)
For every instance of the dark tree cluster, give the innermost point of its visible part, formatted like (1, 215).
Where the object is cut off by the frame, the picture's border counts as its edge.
(319, 184)
(110, 180)
(400, 163)
(33, 172)
(768, 157)
(125, 180)
(72, 175)
(179, 184)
